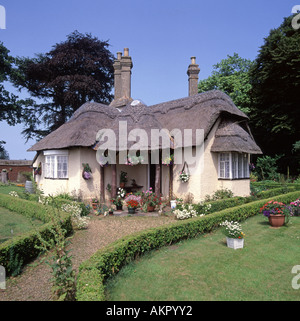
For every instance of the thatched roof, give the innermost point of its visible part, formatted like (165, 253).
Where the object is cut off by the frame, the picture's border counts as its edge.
(200, 111)
(10, 162)
(232, 137)
(196, 112)
(80, 130)
(137, 116)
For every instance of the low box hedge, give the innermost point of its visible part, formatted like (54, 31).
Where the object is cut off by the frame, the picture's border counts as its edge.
(109, 260)
(219, 205)
(25, 245)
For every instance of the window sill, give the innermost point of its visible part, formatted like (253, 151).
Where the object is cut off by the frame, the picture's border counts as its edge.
(60, 179)
(233, 179)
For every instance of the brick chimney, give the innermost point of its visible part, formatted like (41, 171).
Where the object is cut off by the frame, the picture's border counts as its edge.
(193, 72)
(118, 81)
(122, 77)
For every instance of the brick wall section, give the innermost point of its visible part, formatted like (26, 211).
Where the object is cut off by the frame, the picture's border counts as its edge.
(14, 168)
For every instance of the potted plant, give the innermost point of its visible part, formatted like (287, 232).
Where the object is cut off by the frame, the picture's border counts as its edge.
(123, 179)
(103, 160)
(295, 207)
(168, 160)
(132, 160)
(184, 177)
(118, 203)
(132, 205)
(173, 204)
(150, 200)
(86, 173)
(118, 200)
(102, 209)
(38, 170)
(277, 213)
(133, 202)
(234, 234)
(95, 203)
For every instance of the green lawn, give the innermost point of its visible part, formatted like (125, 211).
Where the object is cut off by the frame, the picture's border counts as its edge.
(206, 269)
(12, 224)
(5, 189)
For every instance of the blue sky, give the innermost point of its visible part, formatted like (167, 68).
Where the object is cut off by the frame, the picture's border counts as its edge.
(161, 36)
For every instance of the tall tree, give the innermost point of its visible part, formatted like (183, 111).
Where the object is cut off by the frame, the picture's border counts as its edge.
(3, 152)
(10, 109)
(75, 71)
(231, 75)
(10, 105)
(275, 80)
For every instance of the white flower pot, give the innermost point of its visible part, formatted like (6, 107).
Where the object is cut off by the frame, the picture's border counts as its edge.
(235, 243)
(173, 204)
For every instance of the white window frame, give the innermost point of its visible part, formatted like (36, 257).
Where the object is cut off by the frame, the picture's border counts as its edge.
(233, 165)
(224, 164)
(56, 164)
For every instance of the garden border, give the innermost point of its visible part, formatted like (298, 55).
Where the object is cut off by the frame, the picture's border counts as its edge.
(24, 246)
(109, 260)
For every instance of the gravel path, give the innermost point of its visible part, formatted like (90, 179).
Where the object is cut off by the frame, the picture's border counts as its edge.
(33, 284)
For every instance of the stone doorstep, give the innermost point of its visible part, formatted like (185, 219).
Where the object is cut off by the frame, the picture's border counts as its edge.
(125, 213)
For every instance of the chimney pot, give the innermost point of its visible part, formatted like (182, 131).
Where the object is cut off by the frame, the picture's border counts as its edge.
(122, 74)
(193, 72)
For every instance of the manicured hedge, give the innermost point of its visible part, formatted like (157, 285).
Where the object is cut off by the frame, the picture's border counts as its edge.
(271, 184)
(236, 201)
(109, 260)
(25, 245)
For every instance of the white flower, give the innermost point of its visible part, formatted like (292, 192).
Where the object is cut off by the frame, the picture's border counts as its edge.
(13, 194)
(78, 221)
(187, 212)
(184, 177)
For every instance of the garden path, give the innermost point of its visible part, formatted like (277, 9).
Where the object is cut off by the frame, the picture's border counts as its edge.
(33, 283)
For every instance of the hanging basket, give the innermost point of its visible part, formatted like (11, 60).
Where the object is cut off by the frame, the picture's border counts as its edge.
(87, 172)
(184, 175)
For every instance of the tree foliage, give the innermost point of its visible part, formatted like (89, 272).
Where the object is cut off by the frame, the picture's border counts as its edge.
(275, 80)
(10, 109)
(3, 152)
(231, 76)
(75, 71)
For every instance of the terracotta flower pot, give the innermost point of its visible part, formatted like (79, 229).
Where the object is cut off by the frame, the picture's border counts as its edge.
(150, 208)
(122, 185)
(276, 220)
(94, 205)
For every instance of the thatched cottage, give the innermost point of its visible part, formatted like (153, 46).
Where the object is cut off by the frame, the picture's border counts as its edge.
(226, 144)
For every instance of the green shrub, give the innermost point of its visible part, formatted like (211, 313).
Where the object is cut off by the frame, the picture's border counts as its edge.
(236, 201)
(219, 195)
(25, 245)
(109, 260)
